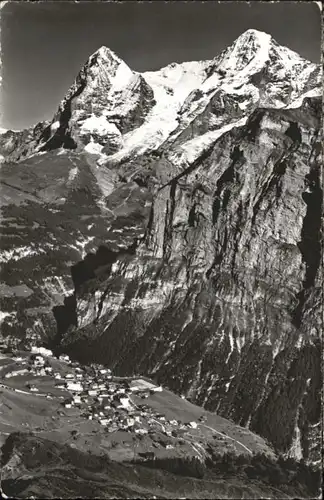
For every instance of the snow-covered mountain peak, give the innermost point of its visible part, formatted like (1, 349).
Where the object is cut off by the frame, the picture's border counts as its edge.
(249, 51)
(104, 64)
(253, 36)
(121, 113)
(106, 53)
(104, 67)
(254, 51)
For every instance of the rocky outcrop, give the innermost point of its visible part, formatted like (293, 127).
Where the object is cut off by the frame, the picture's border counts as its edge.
(15, 145)
(204, 270)
(34, 466)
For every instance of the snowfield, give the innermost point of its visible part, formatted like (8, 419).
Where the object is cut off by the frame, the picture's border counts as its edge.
(171, 85)
(183, 91)
(190, 150)
(99, 125)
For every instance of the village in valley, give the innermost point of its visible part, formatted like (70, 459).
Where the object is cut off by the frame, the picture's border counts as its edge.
(115, 403)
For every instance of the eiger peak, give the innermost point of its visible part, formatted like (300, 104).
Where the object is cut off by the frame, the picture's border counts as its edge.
(105, 55)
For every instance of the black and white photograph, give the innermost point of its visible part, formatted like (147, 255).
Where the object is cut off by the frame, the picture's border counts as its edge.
(161, 250)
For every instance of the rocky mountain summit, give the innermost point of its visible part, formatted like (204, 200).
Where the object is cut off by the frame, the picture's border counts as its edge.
(169, 223)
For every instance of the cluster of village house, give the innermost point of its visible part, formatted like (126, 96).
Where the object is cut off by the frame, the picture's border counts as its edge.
(108, 400)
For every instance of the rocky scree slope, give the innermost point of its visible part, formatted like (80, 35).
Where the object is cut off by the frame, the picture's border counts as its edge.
(205, 267)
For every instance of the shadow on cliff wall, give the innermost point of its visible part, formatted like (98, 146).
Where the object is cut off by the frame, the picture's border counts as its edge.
(82, 272)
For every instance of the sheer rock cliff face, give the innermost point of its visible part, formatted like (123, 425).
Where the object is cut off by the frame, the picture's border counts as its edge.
(204, 264)
(17, 144)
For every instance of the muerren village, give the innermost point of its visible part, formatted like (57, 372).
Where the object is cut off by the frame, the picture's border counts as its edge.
(101, 397)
